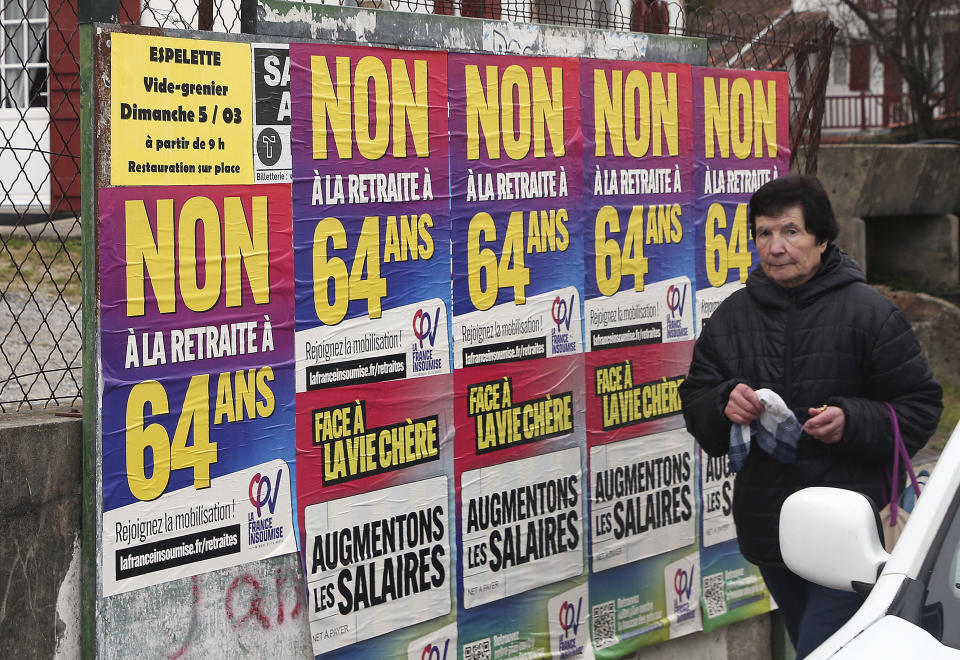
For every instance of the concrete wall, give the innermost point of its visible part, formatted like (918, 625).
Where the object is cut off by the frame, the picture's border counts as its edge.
(256, 610)
(881, 180)
(40, 472)
(897, 201)
(916, 253)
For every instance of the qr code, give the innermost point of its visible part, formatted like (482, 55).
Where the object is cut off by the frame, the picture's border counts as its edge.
(714, 594)
(604, 624)
(477, 650)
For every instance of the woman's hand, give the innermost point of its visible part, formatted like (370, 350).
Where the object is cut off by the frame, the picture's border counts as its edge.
(743, 406)
(826, 424)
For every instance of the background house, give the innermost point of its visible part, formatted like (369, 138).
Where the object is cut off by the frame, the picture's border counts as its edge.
(866, 92)
(25, 108)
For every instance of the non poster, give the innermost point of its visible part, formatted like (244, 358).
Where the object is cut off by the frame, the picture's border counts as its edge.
(197, 363)
(638, 254)
(638, 320)
(374, 390)
(181, 111)
(516, 208)
(371, 214)
(741, 141)
(517, 336)
(638, 194)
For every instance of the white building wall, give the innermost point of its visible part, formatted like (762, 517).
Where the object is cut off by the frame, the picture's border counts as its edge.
(24, 160)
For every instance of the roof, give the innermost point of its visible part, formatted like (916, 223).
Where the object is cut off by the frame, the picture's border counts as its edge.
(757, 34)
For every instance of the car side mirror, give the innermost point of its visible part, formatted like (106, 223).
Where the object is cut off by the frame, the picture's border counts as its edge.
(830, 536)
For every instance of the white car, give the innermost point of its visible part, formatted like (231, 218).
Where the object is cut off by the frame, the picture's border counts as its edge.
(831, 537)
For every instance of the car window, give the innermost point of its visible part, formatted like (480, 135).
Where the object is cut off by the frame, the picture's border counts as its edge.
(942, 602)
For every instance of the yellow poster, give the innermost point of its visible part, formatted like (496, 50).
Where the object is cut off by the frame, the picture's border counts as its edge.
(180, 111)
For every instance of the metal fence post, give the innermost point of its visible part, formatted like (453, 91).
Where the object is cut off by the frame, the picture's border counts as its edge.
(863, 110)
(248, 16)
(98, 11)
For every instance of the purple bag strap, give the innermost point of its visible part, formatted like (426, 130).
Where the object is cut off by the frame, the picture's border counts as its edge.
(899, 451)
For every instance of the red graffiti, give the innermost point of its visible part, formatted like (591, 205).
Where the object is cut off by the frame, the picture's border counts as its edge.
(244, 602)
(253, 593)
(253, 609)
(281, 581)
(176, 655)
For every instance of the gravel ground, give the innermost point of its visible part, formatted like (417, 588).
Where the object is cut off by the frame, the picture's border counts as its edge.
(39, 350)
(40, 343)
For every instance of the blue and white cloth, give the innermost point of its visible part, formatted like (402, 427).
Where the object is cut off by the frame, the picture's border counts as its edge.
(776, 432)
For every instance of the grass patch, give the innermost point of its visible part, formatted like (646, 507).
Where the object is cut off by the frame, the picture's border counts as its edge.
(42, 265)
(950, 416)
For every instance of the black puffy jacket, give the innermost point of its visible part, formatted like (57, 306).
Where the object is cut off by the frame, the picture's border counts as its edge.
(832, 340)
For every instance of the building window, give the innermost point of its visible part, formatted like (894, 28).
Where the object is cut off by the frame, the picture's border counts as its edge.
(23, 54)
(860, 67)
(840, 68)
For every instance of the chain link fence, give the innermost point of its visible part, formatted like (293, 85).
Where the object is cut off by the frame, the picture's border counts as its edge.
(39, 202)
(40, 329)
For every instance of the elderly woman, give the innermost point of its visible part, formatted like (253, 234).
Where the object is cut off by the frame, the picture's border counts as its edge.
(808, 327)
